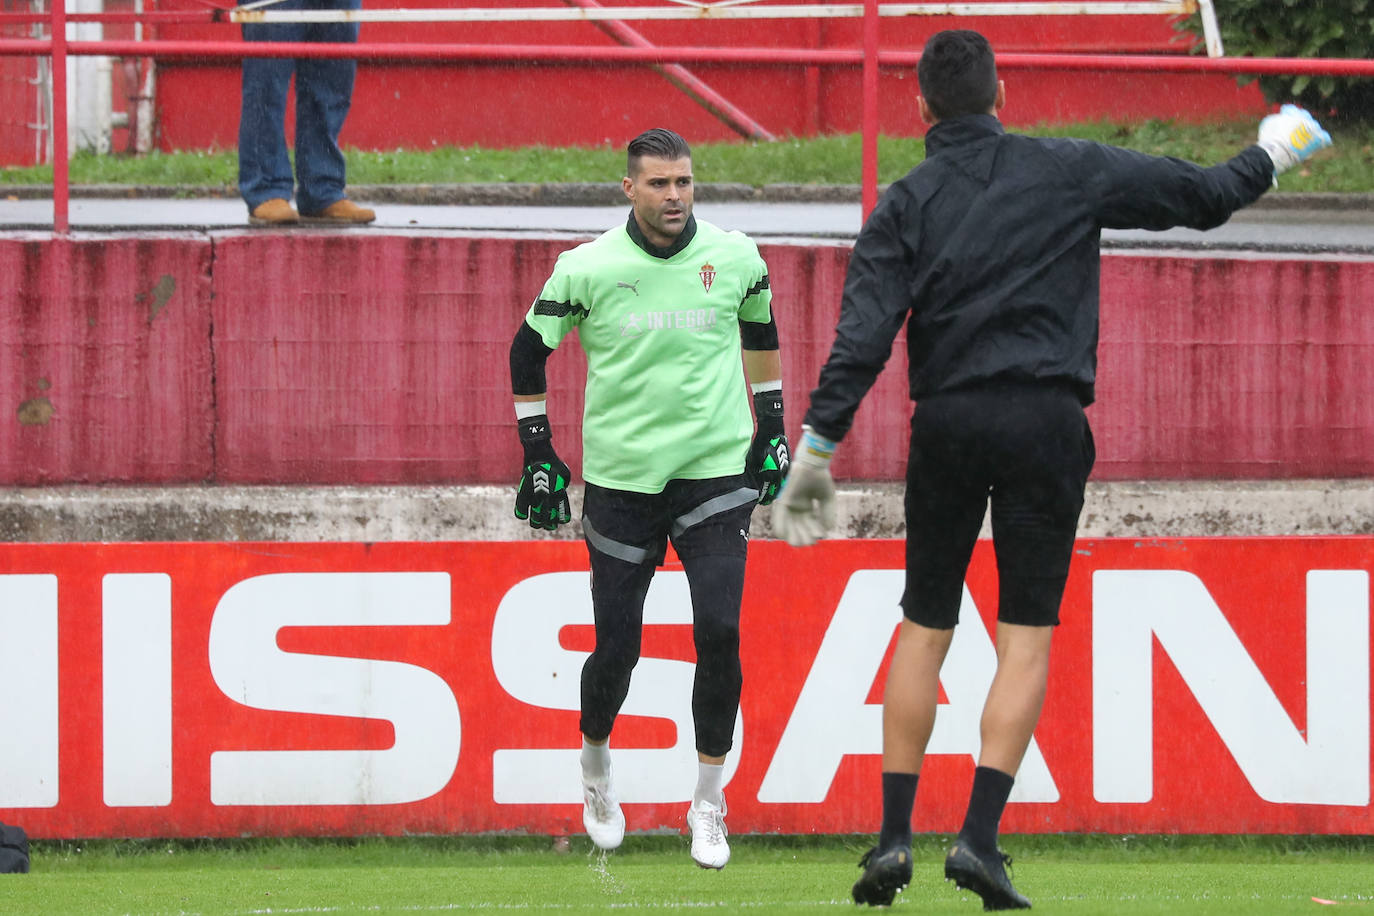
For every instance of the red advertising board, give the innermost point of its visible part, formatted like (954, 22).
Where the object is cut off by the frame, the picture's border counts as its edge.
(221, 689)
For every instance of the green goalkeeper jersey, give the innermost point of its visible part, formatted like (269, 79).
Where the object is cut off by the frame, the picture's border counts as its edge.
(666, 397)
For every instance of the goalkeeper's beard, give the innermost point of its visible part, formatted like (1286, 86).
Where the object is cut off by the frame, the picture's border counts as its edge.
(671, 227)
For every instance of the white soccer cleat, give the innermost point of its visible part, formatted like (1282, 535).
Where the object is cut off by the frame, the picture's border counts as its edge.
(601, 814)
(707, 823)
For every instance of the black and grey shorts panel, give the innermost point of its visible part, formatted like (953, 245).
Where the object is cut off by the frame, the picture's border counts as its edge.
(1026, 449)
(708, 516)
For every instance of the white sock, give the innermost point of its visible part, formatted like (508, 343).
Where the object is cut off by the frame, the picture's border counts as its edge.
(709, 783)
(596, 759)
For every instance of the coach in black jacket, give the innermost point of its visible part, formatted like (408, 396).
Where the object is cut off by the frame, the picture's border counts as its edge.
(989, 251)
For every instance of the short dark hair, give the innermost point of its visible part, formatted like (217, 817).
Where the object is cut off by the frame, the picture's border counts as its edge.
(958, 74)
(657, 143)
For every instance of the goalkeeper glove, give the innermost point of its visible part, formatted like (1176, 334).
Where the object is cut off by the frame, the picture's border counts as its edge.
(543, 493)
(806, 510)
(1291, 136)
(768, 460)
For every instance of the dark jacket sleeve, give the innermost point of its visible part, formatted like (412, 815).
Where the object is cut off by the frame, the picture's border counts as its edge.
(1132, 190)
(877, 298)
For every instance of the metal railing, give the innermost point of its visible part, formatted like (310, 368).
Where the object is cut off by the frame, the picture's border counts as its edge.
(868, 56)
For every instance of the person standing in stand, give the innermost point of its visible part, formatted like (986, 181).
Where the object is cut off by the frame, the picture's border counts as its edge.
(324, 93)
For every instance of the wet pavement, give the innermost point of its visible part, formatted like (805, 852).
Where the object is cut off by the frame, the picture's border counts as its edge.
(1340, 229)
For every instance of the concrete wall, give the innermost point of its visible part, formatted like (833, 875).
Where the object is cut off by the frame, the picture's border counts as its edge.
(1131, 509)
(106, 361)
(318, 358)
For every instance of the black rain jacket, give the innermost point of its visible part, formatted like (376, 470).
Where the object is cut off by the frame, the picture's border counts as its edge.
(991, 246)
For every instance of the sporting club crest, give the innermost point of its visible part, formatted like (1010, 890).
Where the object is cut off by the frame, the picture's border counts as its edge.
(708, 276)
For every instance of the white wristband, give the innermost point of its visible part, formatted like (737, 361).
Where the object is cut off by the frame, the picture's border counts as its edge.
(816, 450)
(758, 387)
(526, 409)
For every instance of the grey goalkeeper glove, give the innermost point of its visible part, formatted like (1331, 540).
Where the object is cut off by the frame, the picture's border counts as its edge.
(1290, 136)
(542, 496)
(805, 512)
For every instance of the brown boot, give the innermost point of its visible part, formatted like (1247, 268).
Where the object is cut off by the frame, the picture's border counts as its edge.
(274, 212)
(341, 212)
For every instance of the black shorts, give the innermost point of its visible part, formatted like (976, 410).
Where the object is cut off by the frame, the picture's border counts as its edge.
(635, 527)
(1027, 448)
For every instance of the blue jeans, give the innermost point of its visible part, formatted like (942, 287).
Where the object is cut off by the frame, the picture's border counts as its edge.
(324, 90)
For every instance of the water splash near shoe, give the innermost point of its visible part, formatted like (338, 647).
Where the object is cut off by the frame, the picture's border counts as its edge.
(610, 884)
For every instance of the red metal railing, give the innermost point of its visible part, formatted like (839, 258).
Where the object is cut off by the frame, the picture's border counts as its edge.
(822, 57)
(869, 57)
(60, 178)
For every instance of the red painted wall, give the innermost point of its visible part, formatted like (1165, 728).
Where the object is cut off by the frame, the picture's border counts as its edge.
(418, 106)
(366, 358)
(1218, 367)
(18, 101)
(506, 105)
(351, 358)
(105, 360)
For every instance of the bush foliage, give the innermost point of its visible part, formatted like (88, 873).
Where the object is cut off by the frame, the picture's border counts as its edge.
(1302, 28)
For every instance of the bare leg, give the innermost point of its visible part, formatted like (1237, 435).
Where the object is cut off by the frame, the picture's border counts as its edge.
(911, 695)
(1016, 695)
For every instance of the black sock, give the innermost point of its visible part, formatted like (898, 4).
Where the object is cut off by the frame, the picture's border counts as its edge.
(985, 803)
(899, 796)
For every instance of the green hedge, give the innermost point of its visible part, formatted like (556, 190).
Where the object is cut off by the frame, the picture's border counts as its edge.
(1302, 28)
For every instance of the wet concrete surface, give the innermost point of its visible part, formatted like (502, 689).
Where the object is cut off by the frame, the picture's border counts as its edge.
(1339, 224)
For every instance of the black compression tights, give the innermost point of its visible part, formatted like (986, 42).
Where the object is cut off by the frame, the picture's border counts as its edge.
(618, 589)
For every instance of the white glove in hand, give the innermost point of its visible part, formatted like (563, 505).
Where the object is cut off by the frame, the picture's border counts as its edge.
(1291, 136)
(805, 512)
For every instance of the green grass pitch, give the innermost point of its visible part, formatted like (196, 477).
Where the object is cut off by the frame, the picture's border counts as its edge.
(653, 874)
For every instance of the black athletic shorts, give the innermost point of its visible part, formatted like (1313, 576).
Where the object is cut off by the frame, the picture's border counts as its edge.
(635, 527)
(1027, 449)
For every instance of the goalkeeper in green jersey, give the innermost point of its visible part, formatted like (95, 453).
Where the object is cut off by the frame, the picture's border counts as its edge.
(663, 306)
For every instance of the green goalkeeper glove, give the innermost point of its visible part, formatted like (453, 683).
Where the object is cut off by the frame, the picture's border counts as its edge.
(542, 496)
(768, 461)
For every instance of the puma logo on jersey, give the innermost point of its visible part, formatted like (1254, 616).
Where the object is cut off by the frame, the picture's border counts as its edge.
(632, 287)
